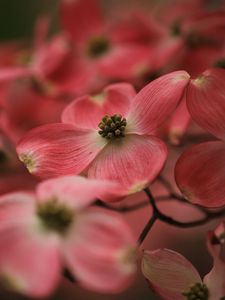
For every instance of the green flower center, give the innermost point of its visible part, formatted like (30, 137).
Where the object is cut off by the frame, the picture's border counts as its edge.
(198, 291)
(220, 63)
(98, 46)
(112, 127)
(55, 216)
(3, 157)
(176, 28)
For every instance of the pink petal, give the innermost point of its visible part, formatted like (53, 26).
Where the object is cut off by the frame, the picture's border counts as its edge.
(76, 191)
(87, 111)
(24, 260)
(200, 174)
(133, 161)
(169, 273)
(48, 58)
(125, 62)
(100, 251)
(215, 279)
(179, 123)
(59, 149)
(155, 102)
(138, 28)
(81, 18)
(15, 207)
(8, 74)
(206, 101)
(168, 52)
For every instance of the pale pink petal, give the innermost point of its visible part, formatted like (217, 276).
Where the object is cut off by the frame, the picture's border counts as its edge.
(81, 18)
(156, 101)
(133, 161)
(169, 273)
(59, 149)
(48, 58)
(100, 251)
(8, 74)
(87, 111)
(215, 279)
(29, 261)
(179, 123)
(76, 191)
(200, 174)
(206, 101)
(16, 207)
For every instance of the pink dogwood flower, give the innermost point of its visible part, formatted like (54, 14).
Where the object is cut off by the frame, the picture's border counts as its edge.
(107, 49)
(172, 276)
(195, 37)
(49, 230)
(200, 171)
(108, 136)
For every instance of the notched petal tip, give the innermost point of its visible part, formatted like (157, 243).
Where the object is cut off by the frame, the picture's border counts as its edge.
(13, 282)
(201, 80)
(29, 161)
(180, 76)
(129, 260)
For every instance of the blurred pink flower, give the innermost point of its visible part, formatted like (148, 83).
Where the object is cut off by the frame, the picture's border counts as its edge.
(112, 50)
(52, 229)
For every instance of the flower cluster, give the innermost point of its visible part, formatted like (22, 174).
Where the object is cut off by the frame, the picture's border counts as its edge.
(104, 109)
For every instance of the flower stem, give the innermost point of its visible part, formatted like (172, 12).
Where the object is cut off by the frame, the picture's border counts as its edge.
(158, 215)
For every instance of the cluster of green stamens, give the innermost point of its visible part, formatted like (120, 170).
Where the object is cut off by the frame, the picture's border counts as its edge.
(55, 216)
(3, 157)
(112, 127)
(198, 291)
(98, 46)
(220, 63)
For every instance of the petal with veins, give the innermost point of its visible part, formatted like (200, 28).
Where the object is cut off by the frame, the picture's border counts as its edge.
(59, 149)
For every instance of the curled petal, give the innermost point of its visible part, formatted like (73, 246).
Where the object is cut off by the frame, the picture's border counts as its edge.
(81, 18)
(206, 101)
(155, 102)
(24, 255)
(200, 174)
(215, 279)
(133, 161)
(76, 191)
(59, 149)
(169, 273)
(87, 111)
(101, 251)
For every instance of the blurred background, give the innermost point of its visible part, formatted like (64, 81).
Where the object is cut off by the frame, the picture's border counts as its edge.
(17, 19)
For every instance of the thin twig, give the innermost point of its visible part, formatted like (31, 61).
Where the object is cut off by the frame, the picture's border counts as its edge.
(146, 229)
(158, 215)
